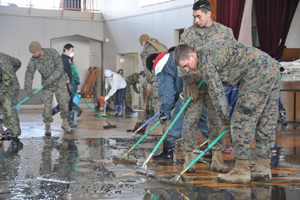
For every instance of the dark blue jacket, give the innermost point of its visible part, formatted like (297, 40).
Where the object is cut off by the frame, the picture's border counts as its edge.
(170, 85)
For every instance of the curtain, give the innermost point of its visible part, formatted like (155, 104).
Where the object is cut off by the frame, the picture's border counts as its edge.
(230, 13)
(245, 35)
(274, 18)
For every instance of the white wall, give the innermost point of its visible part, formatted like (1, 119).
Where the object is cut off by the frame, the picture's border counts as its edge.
(18, 29)
(293, 37)
(126, 21)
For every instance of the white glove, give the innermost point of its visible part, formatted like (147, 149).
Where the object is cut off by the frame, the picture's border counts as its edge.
(106, 98)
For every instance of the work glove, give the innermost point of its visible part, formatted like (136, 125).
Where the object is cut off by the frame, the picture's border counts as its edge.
(225, 127)
(192, 91)
(163, 118)
(106, 98)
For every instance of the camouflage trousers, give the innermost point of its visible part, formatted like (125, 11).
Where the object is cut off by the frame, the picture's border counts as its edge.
(128, 97)
(155, 100)
(255, 117)
(10, 116)
(62, 97)
(192, 116)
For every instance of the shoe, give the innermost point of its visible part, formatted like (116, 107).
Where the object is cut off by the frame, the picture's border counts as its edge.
(47, 129)
(208, 154)
(16, 144)
(55, 110)
(65, 125)
(262, 170)
(71, 123)
(217, 163)
(168, 149)
(117, 110)
(188, 158)
(129, 111)
(240, 174)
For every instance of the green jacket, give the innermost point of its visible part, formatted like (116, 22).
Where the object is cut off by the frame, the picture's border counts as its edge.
(75, 74)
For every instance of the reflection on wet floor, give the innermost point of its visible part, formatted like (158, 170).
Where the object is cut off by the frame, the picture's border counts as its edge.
(81, 166)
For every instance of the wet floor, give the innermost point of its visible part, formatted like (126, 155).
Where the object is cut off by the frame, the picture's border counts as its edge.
(81, 165)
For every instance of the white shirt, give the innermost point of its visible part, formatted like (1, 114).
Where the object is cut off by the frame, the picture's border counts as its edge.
(117, 82)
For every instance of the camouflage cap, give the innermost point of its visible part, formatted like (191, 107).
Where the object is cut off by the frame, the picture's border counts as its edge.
(34, 47)
(143, 38)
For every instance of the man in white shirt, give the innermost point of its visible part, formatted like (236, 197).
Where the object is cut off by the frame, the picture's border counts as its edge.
(118, 87)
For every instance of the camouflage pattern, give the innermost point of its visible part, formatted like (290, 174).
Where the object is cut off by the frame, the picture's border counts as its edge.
(197, 37)
(133, 80)
(150, 77)
(9, 83)
(51, 69)
(256, 111)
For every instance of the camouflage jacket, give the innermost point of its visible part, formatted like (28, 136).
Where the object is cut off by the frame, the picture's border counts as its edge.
(133, 79)
(197, 37)
(51, 69)
(8, 68)
(147, 51)
(232, 63)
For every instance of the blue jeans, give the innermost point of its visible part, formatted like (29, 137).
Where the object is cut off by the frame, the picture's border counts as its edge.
(75, 87)
(231, 97)
(177, 128)
(119, 99)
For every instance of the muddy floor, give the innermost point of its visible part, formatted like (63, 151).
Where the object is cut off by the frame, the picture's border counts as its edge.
(86, 165)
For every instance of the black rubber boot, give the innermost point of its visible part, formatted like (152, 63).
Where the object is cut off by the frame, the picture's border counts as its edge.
(129, 111)
(15, 144)
(55, 110)
(168, 149)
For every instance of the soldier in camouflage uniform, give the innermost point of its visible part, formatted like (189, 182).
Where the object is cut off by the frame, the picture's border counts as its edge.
(150, 46)
(223, 63)
(203, 31)
(49, 64)
(8, 83)
(132, 79)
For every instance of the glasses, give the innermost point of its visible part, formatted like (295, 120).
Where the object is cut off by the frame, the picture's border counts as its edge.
(200, 6)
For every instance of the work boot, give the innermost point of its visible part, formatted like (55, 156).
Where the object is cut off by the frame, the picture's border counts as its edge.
(55, 110)
(129, 111)
(47, 129)
(189, 157)
(240, 174)
(262, 170)
(79, 110)
(65, 125)
(71, 123)
(217, 163)
(168, 149)
(15, 144)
